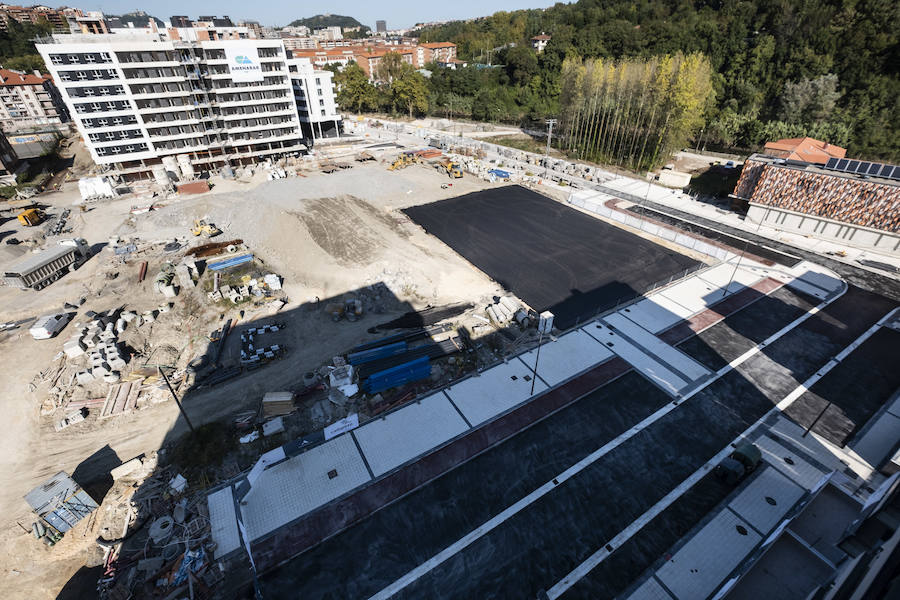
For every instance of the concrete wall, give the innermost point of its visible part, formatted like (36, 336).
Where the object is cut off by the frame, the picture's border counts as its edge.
(827, 229)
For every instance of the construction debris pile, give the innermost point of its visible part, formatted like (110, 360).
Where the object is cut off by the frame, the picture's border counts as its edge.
(94, 358)
(155, 536)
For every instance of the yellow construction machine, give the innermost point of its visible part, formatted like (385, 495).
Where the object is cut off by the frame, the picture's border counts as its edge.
(403, 161)
(453, 170)
(31, 217)
(201, 227)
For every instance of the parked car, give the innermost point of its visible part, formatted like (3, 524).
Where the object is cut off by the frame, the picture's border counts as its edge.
(48, 326)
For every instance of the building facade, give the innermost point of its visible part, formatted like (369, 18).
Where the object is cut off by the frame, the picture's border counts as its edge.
(859, 210)
(439, 52)
(29, 100)
(539, 42)
(208, 102)
(314, 94)
(34, 14)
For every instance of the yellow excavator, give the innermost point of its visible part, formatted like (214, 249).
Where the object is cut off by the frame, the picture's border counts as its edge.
(201, 227)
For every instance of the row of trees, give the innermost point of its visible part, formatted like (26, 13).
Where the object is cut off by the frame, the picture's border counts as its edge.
(633, 112)
(401, 88)
(17, 46)
(810, 68)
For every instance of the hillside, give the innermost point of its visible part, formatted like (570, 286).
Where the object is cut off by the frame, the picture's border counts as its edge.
(828, 69)
(140, 19)
(319, 21)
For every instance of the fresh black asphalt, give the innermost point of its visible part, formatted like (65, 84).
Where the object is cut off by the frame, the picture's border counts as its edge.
(549, 255)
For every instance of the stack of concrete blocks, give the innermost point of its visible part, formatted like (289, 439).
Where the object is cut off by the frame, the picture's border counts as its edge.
(186, 271)
(233, 294)
(253, 356)
(100, 340)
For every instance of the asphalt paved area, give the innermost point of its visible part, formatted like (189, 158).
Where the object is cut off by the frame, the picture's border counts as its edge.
(718, 345)
(549, 255)
(362, 560)
(840, 403)
(547, 539)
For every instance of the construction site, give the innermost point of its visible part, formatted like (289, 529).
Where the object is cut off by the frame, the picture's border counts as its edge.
(411, 364)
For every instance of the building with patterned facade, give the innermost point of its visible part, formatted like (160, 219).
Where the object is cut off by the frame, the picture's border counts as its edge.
(859, 210)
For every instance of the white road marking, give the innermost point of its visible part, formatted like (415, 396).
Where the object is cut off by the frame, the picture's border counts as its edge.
(488, 526)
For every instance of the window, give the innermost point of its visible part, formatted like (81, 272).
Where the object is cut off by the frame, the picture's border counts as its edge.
(104, 91)
(318, 81)
(321, 103)
(73, 58)
(323, 112)
(56, 59)
(95, 106)
(88, 91)
(89, 58)
(102, 122)
(320, 92)
(81, 75)
(116, 121)
(104, 56)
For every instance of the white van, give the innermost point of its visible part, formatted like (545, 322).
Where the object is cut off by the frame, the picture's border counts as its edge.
(48, 326)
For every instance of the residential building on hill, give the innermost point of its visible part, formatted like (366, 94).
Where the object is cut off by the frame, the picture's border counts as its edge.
(539, 42)
(35, 14)
(806, 149)
(29, 100)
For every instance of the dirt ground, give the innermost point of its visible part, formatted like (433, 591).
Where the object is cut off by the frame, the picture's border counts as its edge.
(326, 235)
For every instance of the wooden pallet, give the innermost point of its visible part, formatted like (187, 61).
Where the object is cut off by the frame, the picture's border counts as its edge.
(121, 398)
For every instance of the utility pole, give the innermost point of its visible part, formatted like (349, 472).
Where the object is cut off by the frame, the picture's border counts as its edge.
(550, 123)
(175, 397)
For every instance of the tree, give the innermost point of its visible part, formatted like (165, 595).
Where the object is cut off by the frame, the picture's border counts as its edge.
(810, 100)
(355, 91)
(770, 61)
(389, 67)
(521, 64)
(409, 90)
(26, 62)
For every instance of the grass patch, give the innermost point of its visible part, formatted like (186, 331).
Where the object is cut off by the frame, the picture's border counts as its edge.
(526, 143)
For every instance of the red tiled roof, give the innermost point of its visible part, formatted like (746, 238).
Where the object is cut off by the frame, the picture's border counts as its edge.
(806, 149)
(439, 45)
(9, 78)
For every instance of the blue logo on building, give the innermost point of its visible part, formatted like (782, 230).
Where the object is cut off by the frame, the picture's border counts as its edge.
(243, 60)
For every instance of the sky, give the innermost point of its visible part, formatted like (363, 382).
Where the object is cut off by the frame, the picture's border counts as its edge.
(399, 14)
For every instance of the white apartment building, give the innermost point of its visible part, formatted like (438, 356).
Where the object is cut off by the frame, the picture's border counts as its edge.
(210, 103)
(314, 94)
